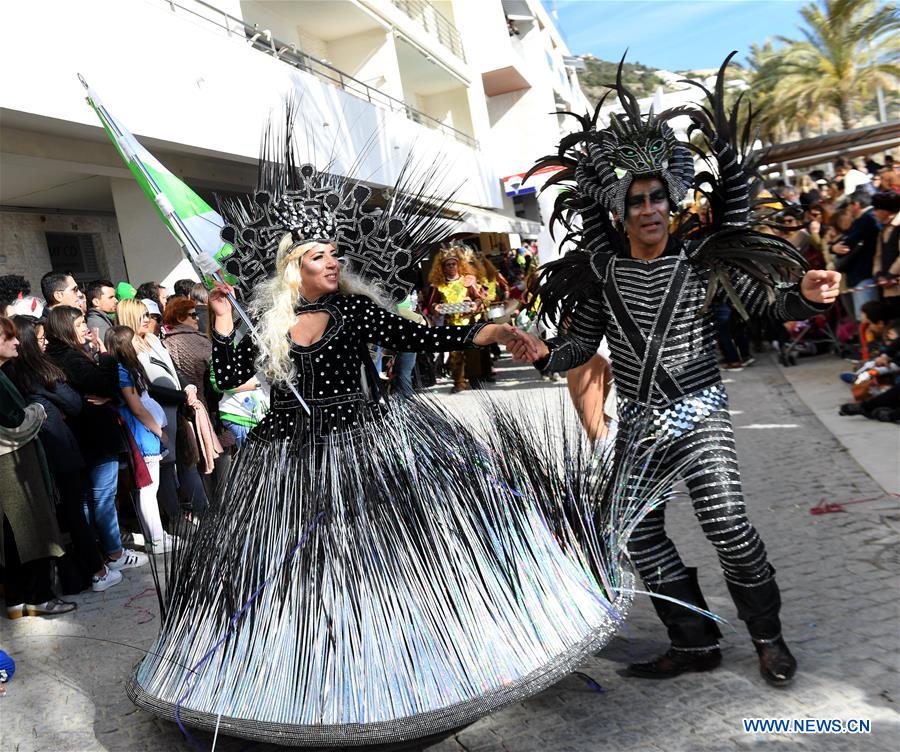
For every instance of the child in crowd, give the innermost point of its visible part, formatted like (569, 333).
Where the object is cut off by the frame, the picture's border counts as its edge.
(884, 364)
(146, 420)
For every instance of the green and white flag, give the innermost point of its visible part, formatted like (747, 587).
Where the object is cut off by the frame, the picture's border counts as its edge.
(193, 222)
(189, 218)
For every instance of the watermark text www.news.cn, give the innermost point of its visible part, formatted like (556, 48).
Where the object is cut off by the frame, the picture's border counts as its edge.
(807, 726)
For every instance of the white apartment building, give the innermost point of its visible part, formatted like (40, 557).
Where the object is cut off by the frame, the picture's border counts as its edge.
(195, 82)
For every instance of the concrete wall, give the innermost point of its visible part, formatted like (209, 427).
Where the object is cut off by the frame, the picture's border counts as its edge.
(450, 107)
(23, 245)
(521, 129)
(149, 249)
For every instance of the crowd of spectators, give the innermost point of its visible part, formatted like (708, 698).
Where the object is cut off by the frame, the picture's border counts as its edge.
(106, 396)
(851, 223)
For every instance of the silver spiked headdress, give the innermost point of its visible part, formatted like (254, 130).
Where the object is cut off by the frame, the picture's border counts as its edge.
(382, 238)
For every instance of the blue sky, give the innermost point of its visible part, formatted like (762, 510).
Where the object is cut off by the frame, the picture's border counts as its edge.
(673, 34)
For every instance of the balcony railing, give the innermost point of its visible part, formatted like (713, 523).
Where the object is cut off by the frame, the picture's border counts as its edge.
(263, 41)
(434, 22)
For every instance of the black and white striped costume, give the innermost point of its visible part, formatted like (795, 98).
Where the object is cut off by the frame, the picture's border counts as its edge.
(663, 348)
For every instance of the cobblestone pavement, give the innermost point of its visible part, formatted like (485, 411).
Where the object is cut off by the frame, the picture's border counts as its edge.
(838, 574)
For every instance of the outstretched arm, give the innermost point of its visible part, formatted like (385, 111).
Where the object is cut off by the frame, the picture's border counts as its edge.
(817, 290)
(584, 330)
(387, 329)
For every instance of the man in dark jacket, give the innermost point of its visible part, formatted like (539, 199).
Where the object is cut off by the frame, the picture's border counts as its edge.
(856, 251)
(102, 302)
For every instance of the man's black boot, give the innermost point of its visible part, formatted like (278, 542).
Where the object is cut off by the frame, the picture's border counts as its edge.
(758, 606)
(674, 662)
(776, 664)
(694, 637)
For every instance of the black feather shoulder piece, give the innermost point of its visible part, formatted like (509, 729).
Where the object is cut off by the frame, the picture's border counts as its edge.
(731, 184)
(767, 259)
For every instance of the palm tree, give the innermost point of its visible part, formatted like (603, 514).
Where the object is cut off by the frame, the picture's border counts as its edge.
(848, 49)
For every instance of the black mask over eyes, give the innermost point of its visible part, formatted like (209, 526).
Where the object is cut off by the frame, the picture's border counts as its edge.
(656, 196)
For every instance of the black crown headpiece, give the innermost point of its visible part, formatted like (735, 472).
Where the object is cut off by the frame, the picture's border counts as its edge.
(633, 146)
(382, 240)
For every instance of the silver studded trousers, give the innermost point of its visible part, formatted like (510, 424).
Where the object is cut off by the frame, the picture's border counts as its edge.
(695, 441)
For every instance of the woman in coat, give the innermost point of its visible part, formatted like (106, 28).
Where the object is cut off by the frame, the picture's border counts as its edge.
(41, 382)
(191, 351)
(96, 428)
(30, 537)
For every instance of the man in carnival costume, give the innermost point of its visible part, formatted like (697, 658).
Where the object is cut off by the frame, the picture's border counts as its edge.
(654, 295)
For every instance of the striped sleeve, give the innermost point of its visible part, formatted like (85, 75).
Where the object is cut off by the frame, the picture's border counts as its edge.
(788, 303)
(581, 337)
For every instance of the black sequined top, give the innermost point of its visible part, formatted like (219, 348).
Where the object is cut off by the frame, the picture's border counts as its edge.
(330, 371)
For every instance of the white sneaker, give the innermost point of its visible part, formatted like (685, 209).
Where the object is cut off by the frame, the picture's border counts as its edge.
(162, 546)
(128, 560)
(112, 577)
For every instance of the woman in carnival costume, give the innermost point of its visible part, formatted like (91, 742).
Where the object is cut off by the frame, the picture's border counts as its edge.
(375, 572)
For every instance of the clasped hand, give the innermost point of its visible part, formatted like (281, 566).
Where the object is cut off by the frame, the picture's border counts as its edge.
(524, 347)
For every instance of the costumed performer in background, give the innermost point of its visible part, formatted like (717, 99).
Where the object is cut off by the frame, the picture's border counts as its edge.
(458, 299)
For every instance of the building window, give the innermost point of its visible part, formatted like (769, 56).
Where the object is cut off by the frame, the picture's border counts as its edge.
(74, 253)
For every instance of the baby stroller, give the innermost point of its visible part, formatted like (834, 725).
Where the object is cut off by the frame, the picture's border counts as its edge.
(813, 336)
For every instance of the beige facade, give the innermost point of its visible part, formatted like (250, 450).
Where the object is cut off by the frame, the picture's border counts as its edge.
(24, 247)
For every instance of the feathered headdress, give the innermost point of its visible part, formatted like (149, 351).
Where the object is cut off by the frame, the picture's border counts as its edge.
(596, 166)
(382, 238)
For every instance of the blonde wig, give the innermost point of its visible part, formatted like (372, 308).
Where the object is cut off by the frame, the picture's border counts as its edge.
(272, 306)
(130, 313)
(436, 276)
